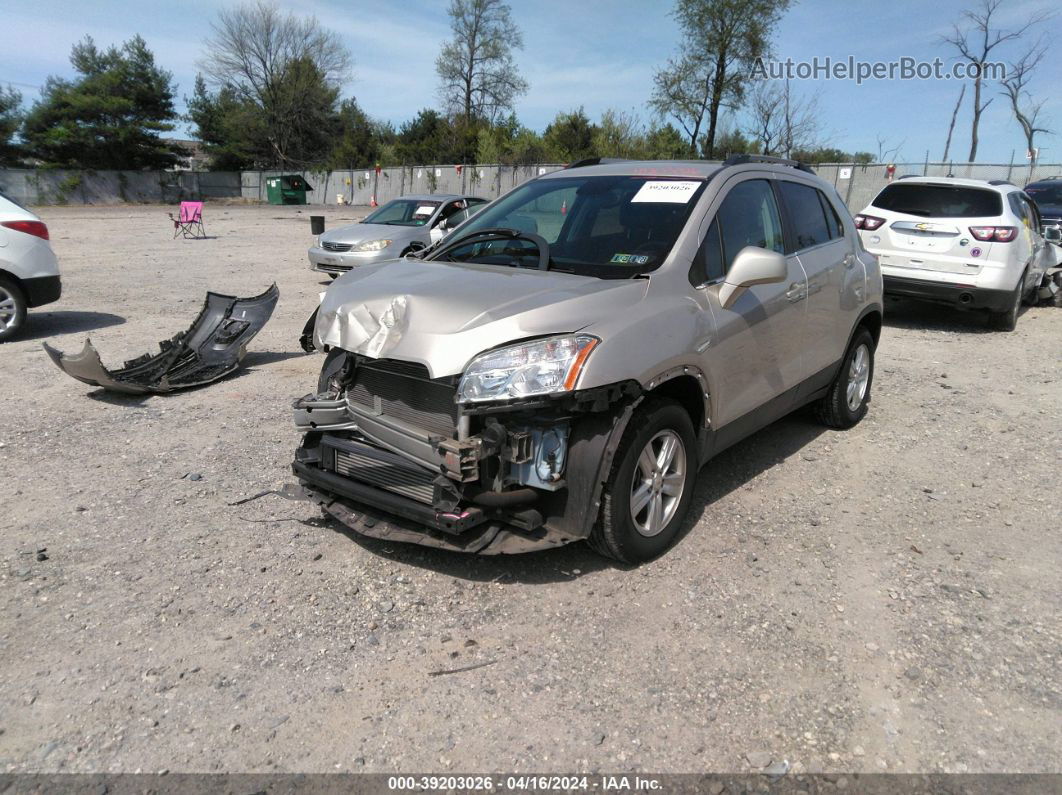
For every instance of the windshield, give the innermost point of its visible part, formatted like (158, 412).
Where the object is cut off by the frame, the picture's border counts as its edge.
(939, 201)
(404, 212)
(605, 226)
(1046, 193)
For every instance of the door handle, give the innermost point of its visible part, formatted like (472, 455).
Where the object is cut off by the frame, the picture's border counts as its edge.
(850, 260)
(796, 292)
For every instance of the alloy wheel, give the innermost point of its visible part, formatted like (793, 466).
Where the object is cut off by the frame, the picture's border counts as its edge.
(8, 310)
(858, 378)
(658, 483)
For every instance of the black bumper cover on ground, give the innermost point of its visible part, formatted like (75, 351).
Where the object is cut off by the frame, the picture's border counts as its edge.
(42, 290)
(210, 349)
(957, 295)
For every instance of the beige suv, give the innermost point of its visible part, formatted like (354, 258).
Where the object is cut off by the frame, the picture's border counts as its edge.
(562, 366)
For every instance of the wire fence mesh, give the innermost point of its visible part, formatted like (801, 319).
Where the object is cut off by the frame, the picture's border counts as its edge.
(857, 184)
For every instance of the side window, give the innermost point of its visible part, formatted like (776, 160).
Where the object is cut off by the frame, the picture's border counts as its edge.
(833, 221)
(449, 210)
(1034, 214)
(708, 264)
(1014, 200)
(748, 216)
(806, 215)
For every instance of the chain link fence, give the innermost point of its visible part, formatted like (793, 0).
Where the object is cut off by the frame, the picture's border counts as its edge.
(857, 184)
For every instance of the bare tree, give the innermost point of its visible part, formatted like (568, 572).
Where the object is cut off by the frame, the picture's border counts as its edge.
(765, 115)
(951, 127)
(277, 62)
(721, 41)
(1026, 110)
(781, 121)
(886, 153)
(477, 76)
(975, 44)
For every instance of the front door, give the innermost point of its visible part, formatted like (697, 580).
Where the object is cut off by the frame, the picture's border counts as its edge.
(754, 354)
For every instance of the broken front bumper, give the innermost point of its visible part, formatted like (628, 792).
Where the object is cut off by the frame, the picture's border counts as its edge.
(210, 349)
(530, 483)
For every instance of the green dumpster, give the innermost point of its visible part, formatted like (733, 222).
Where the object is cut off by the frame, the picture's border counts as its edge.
(287, 189)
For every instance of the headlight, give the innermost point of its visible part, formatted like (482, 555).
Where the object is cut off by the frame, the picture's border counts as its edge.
(540, 367)
(371, 245)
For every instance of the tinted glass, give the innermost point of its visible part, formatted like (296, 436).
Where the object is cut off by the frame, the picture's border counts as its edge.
(833, 220)
(708, 264)
(939, 201)
(604, 226)
(806, 215)
(748, 216)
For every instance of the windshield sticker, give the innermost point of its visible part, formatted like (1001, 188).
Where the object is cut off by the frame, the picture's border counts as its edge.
(666, 191)
(424, 209)
(630, 259)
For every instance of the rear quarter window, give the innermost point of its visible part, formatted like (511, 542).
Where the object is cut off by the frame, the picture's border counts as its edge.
(807, 215)
(939, 201)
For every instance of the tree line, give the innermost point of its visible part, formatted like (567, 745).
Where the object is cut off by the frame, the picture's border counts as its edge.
(269, 95)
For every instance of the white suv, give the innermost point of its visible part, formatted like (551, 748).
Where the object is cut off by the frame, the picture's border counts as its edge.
(970, 243)
(29, 272)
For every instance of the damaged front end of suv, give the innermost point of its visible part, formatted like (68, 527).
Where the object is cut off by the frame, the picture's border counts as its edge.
(501, 459)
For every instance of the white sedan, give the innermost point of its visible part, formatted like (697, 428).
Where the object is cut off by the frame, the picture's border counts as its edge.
(29, 271)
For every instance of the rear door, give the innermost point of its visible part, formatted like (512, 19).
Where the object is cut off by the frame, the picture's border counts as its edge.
(755, 353)
(816, 236)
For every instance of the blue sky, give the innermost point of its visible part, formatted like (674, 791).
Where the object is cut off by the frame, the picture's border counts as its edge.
(593, 53)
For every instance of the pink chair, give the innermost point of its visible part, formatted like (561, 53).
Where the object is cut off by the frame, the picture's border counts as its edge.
(189, 221)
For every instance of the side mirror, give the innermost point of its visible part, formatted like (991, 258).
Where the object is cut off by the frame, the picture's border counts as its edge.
(1053, 234)
(753, 265)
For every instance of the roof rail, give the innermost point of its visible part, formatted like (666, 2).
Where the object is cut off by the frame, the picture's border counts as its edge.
(1001, 182)
(739, 160)
(596, 161)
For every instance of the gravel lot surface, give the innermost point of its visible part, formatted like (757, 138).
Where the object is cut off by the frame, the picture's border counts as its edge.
(882, 599)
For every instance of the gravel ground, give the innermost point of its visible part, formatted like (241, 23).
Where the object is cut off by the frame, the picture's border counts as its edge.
(882, 599)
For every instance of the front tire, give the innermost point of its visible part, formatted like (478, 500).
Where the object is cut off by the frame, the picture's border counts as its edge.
(648, 493)
(845, 404)
(12, 309)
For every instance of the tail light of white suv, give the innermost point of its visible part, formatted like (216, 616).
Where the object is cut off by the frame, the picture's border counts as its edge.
(35, 228)
(1000, 234)
(868, 222)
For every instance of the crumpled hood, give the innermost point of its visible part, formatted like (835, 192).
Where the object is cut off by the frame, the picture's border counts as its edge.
(442, 314)
(359, 233)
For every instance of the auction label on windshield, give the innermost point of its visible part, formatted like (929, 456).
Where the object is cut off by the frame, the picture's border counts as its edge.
(668, 191)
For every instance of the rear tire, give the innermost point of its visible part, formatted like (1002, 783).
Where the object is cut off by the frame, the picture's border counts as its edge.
(1008, 319)
(846, 402)
(648, 493)
(12, 309)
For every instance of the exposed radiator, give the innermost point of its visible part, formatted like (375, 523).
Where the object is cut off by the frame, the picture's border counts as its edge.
(404, 391)
(381, 469)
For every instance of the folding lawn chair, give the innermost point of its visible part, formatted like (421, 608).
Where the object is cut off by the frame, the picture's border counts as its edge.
(189, 221)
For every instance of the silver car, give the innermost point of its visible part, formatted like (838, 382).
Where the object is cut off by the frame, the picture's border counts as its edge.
(393, 230)
(561, 366)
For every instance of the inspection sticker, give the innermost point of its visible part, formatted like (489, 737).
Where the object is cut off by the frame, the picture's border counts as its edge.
(670, 191)
(635, 259)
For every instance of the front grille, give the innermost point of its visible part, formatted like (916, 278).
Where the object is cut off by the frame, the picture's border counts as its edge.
(404, 390)
(328, 245)
(384, 470)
